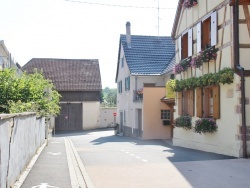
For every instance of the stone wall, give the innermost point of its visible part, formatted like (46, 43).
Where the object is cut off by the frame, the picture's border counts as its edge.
(20, 137)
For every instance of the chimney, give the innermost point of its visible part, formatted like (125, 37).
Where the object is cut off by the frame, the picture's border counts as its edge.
(128, 34)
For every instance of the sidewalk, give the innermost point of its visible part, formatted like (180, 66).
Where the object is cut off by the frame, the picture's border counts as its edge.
(57, 166)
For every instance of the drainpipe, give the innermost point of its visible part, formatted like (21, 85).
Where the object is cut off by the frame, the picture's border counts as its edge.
(242, 75)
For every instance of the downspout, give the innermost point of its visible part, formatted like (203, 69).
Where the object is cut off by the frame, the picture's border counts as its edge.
(242, 75)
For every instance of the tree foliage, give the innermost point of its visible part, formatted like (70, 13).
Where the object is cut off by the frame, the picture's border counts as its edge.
(109, 97)
(27, 93)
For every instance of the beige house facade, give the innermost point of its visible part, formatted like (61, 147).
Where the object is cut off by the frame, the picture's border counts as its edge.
(214, 25)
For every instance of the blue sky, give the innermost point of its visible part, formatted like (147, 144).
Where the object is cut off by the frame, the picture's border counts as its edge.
(81, 29)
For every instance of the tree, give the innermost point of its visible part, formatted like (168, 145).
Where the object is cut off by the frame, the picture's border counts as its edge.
(109, 96)
(27, 93)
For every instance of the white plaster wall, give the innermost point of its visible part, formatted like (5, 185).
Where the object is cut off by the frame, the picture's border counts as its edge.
(107, 118)
(4, 150)
(125, 99)
(21, 135)
(91, 115)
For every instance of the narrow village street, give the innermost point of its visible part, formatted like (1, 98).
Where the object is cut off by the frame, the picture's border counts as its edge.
(114, 161)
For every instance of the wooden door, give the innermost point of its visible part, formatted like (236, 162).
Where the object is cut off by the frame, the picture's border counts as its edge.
(70, 118)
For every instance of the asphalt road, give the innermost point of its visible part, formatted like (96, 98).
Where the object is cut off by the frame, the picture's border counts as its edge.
(100, 159)
(114, 161)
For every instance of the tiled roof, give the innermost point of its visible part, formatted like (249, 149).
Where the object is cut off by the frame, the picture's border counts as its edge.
(170, 66)
(148, 55)
(69, 74)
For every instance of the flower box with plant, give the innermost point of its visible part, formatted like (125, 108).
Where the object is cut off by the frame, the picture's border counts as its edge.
(205, 125)
(189, 3)
(139, 94)
(139, 91)
(204, 57)
(183, 122)
(182, 66)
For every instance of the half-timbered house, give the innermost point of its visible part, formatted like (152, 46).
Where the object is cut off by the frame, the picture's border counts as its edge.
(212, 71)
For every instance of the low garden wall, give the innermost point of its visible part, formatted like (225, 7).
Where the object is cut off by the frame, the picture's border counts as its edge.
(20, 137)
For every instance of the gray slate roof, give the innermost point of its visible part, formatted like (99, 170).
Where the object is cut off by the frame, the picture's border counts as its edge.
(69, 74)
(148, 55)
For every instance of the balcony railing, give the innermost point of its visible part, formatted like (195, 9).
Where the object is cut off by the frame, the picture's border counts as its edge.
(137, 97)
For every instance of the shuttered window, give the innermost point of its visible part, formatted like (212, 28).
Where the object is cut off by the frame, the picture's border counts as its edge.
(199, 109)
(190, 42)
(185, 43)
(191, 102)
(179, 46)
(179, 103)
(120, 87)
(127, 83)
(207, 32)
(216, 102)
(198, 27)
(186, 103)
(208, 102)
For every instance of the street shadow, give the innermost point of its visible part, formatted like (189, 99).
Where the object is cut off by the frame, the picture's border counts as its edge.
(173, 153)
(78, 133)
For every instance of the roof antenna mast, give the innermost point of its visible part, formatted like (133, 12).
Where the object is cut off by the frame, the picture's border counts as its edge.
(158, 17)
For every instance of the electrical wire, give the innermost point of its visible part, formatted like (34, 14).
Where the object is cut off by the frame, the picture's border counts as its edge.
(113, 5)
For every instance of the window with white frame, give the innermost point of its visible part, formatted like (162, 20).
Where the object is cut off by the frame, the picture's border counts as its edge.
(165, 114)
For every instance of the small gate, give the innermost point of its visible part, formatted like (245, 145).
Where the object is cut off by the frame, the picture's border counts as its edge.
(70, 118)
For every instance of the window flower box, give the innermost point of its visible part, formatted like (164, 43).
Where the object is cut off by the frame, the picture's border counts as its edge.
(183, 122)
(205, 125)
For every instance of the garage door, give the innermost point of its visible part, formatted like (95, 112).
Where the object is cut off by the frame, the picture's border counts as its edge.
(70, 118)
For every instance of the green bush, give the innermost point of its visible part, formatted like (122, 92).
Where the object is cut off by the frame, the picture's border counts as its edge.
(27, 93)
(183, 122)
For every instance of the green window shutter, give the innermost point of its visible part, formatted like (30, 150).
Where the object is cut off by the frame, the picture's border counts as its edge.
(128, 83)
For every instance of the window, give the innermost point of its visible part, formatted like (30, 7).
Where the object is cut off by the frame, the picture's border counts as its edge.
(207, 32)
(149, 84)
(208, 102)
(165, 114)
(186, 44)
(172, 77)
(127, 83)
(120, 87)
(122, 61)
(186, 103)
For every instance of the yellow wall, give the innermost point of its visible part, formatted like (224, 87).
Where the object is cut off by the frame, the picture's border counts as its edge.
(152, 106)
